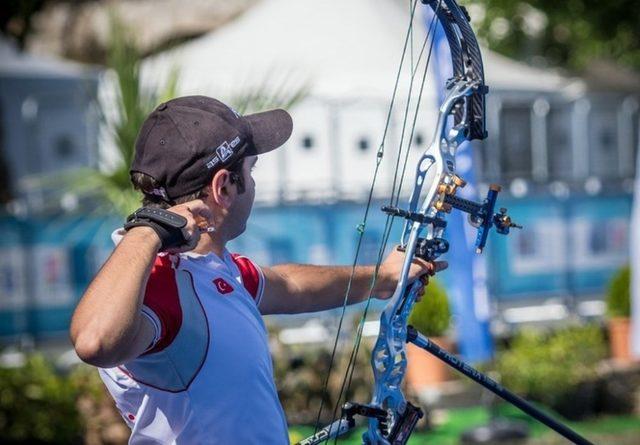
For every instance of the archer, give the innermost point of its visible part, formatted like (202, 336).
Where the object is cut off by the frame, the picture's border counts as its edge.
(173, 320)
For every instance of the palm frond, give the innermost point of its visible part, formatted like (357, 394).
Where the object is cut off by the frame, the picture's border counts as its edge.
(134, 102)
(265, 95)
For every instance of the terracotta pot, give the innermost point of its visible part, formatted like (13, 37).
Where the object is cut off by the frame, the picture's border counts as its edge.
(425, 370)
(619, 333)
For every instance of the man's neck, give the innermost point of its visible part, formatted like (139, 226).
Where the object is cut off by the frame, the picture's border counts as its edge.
(210, 243)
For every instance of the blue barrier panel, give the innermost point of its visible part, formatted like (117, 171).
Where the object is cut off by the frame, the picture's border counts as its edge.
(51, 291)
(90, 247)
(533, 260)
(322, 234)
(347, 220)
(284, 234)
(63, 254)
(13, 279)
(599, 233)
(567, 248)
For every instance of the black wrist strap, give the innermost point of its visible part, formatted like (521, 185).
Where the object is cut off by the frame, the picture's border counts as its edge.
(167, 225)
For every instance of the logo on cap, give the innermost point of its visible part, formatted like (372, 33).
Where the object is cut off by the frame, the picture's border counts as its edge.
(212, 163)
(223, 152)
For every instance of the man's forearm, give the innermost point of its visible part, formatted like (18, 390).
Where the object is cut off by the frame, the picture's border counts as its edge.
(106, 322)
(305, 288)
(294, 288)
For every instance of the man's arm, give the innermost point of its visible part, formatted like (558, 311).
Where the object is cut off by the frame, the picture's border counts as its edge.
(296, 288)
(108, 327)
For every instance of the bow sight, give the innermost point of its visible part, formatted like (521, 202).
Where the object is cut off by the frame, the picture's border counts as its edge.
(481, 216)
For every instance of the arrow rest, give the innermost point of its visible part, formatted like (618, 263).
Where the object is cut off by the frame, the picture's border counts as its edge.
(429, 249)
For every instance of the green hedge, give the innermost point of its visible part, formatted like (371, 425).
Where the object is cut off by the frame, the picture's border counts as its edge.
(554, 368)
(40, 405)
(431, 316)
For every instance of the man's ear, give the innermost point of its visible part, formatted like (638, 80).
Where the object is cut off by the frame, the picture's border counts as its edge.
(222, 192)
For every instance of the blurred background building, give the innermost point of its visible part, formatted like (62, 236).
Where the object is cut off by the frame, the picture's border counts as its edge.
(564, 147)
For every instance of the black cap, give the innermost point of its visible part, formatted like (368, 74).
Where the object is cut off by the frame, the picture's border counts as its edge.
(183, 142)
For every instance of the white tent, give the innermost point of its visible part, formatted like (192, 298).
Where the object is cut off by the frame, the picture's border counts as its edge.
(348, 53)
(342, 48)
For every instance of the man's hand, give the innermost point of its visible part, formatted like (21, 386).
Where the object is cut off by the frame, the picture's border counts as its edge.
(198, 216)
(392, 266)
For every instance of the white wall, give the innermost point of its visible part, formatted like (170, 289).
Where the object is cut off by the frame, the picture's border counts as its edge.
(337, 166)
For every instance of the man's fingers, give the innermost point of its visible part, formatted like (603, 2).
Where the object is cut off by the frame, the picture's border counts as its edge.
(197, 212)
(425, 265)
(439, 266)
(431, 267)
(197, 207)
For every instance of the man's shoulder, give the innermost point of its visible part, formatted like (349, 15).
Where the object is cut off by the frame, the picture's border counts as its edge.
(161, 302)
(251, 275)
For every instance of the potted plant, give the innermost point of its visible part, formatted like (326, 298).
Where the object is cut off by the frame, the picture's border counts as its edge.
(619, 313)
(431, 316)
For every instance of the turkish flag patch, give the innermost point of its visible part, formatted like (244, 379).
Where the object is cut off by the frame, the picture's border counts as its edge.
(222, 286)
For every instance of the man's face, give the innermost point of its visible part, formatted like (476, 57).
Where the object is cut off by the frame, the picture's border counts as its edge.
(241, 208)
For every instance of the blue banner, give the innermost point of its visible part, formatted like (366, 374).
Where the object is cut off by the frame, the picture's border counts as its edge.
(468, 286)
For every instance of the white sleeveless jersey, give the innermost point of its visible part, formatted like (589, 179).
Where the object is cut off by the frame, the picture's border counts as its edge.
(208, 376)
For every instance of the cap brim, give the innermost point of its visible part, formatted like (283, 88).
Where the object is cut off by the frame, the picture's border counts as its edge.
(270, 129)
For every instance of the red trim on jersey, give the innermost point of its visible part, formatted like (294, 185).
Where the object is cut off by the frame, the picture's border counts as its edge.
(249, 273)
(161, 296)
(204, 357)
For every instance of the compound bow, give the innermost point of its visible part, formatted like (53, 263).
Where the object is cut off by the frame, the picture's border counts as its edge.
(391, 418)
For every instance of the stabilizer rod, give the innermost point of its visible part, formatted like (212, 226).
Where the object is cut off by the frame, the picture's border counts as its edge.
(423, 342)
